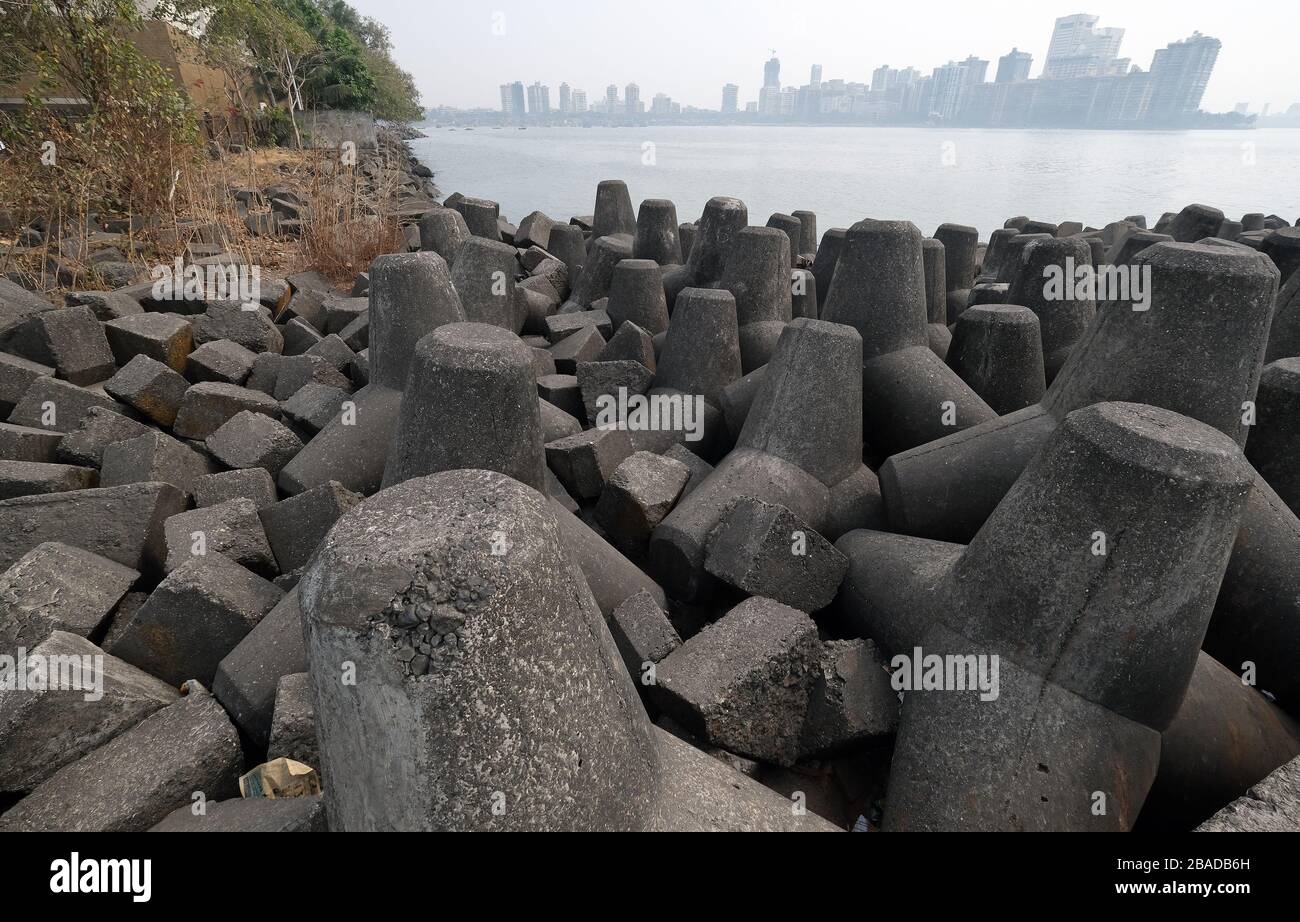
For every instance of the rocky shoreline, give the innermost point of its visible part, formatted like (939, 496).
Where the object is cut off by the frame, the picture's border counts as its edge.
(618, 522)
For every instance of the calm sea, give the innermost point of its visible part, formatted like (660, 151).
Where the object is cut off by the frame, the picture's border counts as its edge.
(925, 175)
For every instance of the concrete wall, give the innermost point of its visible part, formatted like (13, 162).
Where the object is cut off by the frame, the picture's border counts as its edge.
(330, 128)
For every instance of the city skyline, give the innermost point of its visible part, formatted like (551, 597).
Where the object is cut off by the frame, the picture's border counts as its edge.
(1084, 81)
(497, 40)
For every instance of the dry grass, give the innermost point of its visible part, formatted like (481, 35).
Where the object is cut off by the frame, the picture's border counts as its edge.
(348, 222)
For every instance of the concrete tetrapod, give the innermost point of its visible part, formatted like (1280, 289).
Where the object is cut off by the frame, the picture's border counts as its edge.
(801, 447)
(758, 276)
(910, 397)
(1093, 583)
(410, 295)
(464, 374)
(489, 694)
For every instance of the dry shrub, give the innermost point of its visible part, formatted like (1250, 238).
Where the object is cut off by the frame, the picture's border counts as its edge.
(349, 221)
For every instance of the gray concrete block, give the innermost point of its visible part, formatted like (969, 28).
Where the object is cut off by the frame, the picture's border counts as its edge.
(250, 440)
(132, 782)
(56, 587)
(28, 478)
(166, 338)
(766, 550)
(153, 458)
(209, 406)
(150, 388)
(43, 729)
(231, 529)
(124, 524)
(744, 682)
(255, 484)
(248, 676)
(297, 525)
(195, 617)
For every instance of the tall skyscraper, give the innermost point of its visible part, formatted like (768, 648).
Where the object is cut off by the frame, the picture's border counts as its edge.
(539, 99)
(948, 83)
(1014, 66)
(566, 98)
(611, 99)
(512, 99)
(977, 70)
(882, 78)
(632, 98)
(815, 80)
(772, 73)
(1080, 49)
(1180, 73)
(579, 100)
(730, 99)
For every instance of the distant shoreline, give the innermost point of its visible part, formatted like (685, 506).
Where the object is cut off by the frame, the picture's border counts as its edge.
(514, 126)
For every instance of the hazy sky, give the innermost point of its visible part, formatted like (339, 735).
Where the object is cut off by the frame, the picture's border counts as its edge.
(461, 51)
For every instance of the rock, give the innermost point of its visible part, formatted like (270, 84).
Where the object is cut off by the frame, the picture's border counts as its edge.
(124, 524)
(150, 388)
(59, 406)
(253, 330)
(26, 478)
(42, 729)
(210, 405)
(852, 701)
(232, 529)
(255, 484)
(250, 439)
(222, 360)
(72, 341)
(638, 495)
(98, 429)
(132, 782)
(314, 406)
(297, 525)
(16, 376)
(744, 683)
(584, 462)
(166, 338)
(766, 550)
(247, 677)
(643, 634)
(257, 814)
(293, 725)
(1273, 805)
(153, 458)
(196, 616)
(56, 587)
(22, 443)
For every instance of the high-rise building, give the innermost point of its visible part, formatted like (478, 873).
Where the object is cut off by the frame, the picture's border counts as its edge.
(661, 105)
(977, 70)
(1079, 49)
(632, 98)
(566, 98)
(1180, 73)
(772, 73)
(539, 99)
(815, 80)
(730, 99)
(611, 99)
(579, 100)
(1014, 66)
(769, 100)
(882, 78)
(512, 99)
(947, 85)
